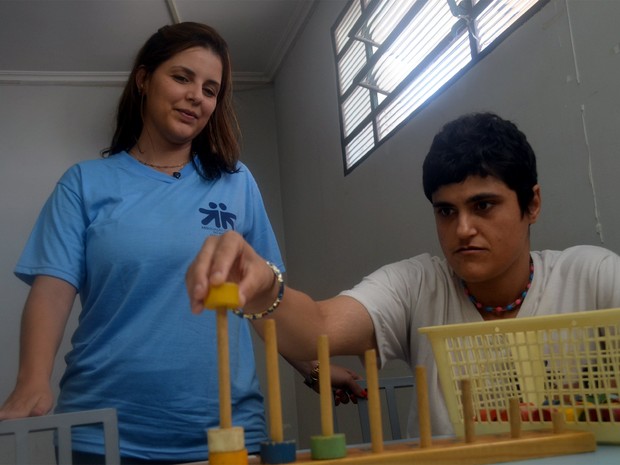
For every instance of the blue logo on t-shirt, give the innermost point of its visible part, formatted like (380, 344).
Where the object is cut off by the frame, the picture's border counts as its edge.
(221, 218)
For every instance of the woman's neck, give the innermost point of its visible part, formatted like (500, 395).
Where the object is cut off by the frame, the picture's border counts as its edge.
(166, 158)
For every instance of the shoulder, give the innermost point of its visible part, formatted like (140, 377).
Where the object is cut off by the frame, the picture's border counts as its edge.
(93, 167)
(423, 264)
(578, 261)
(241, 175)
(423, 271)
(580, 254)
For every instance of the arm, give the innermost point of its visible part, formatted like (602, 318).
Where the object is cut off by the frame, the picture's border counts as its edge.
(44, 319)
(300, 319)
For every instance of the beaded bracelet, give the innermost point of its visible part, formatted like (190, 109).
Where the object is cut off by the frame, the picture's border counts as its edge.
(256, 316)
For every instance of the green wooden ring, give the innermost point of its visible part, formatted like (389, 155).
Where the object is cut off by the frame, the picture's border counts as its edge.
(328, 447)
(278, 452)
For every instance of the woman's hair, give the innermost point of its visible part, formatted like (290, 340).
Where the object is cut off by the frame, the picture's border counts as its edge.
(217, 146)
(481, 144)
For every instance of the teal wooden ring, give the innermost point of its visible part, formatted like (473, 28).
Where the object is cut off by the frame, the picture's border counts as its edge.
(328, 447)
(278, 452)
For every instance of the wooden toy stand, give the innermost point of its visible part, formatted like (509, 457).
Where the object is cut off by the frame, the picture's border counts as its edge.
(469, 450)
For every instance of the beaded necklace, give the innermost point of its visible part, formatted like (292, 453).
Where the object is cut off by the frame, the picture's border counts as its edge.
(499, 310)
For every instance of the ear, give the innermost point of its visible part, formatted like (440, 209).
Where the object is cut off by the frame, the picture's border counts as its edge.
(142, 80)
(533, 209)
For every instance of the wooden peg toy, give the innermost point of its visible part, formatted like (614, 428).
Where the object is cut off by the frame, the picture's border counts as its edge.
(276, 450)
(328, 445)
(226, 443)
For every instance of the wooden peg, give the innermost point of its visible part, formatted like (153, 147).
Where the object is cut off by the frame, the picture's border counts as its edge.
(424, 415)
(276, 431)
(226, 443)
(374, 401)
(276, 450)
(221, 298)
(468, 410)
(514, 417)
(328, 445)
(558, 423)
(325, 387)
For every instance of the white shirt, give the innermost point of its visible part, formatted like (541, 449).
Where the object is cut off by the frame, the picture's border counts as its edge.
(424, 291)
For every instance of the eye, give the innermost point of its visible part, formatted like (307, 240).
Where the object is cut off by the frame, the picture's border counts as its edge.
(444, 211)
(209, 92)
(180, 78)
(484, 206)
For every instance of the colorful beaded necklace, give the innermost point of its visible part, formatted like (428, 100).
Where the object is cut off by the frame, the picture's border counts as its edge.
(499, 310)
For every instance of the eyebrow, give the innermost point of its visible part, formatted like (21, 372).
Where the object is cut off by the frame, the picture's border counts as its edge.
(470, 200)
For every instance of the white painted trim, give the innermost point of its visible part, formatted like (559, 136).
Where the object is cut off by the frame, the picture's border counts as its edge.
(98, 78)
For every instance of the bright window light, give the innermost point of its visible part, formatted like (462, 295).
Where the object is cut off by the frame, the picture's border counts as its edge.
(392, 56)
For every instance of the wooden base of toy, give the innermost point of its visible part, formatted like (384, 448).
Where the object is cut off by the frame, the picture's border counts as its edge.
(486, 449)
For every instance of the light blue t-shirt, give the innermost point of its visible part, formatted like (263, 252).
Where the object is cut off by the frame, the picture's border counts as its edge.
(124, 235)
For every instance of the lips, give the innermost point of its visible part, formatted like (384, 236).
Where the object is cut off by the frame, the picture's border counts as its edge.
(468, 249)
(188, 113)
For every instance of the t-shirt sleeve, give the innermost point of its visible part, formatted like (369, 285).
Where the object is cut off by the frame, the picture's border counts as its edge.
(260, 233)
(56, 244)
(387, 296)
(608, 279)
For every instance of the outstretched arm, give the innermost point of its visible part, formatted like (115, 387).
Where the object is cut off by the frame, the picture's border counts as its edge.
(300, 319)
(44, 319)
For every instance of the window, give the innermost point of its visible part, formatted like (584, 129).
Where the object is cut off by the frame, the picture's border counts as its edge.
(392, 56)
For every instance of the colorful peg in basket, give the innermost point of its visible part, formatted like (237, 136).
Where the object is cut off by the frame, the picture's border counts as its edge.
(328, 445)
(276, 450)
(226, 443)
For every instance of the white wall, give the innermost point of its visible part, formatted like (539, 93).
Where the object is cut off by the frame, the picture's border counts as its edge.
(340, 228)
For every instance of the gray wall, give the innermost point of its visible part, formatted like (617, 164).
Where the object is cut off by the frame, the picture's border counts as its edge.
(340, 228)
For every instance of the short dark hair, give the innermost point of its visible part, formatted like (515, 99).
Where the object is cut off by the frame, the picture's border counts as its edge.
(217, 146)
(481, 144)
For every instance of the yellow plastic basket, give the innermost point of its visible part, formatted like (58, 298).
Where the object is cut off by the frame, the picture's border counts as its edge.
(568, 363)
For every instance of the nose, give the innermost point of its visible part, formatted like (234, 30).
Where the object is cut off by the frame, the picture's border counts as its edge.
(194, 94)
(465, 226)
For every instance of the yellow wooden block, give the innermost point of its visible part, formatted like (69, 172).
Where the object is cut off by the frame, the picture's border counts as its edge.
(225, 295)
(225, 439)
(238, 457)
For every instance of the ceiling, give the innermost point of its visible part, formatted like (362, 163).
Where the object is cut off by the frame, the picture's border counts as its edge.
(94, 41)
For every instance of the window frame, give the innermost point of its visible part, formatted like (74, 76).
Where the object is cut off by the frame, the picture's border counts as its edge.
(472, 9)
